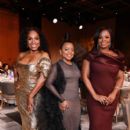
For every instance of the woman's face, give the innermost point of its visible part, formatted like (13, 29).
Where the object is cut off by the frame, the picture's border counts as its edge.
(104, 39)
(67, 51)
(1, 64)
(33, 40)
(6, 67)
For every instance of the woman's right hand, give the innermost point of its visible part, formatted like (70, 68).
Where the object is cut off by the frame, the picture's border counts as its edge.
(64, 105)
(17, 86)
(101, 98)
(30, 104)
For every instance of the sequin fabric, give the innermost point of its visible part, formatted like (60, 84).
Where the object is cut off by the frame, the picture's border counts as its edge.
(27, 78)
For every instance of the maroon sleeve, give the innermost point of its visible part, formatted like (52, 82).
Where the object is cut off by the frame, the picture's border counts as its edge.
(122, 60)
(90, 56)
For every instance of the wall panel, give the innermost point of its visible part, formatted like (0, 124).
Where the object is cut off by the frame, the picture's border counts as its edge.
(9, 35)
(55, 33)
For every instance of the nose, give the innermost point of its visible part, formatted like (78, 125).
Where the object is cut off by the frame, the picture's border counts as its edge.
(71, 52)
(33, 41)
(103, 39)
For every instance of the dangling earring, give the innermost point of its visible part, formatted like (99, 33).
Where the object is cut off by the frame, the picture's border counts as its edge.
(97, 47)
(110, 45)
(27, 47)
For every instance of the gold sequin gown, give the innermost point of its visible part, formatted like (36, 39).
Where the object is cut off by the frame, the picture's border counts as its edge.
(27, 79)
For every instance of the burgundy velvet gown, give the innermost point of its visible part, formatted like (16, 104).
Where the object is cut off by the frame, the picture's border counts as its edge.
(103, 73)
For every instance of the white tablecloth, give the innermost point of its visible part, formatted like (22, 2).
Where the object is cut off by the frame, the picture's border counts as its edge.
(125, 100)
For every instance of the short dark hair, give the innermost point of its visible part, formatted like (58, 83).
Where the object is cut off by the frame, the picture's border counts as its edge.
(23, 39)
(62, 44)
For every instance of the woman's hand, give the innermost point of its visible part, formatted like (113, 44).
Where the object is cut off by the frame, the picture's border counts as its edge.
(101, 98)
(111, 97)
(17, 87)
(64, 105)
(30, 103)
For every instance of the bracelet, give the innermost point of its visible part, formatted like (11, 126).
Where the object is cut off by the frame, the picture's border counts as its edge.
(61, 101)
(117, 88)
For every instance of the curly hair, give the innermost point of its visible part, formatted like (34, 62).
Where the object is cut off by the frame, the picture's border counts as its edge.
(23, 39)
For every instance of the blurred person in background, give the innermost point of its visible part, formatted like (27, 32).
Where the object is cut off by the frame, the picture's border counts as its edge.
(1, 67)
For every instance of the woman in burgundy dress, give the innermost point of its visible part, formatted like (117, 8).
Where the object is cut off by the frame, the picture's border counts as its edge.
(103, 76)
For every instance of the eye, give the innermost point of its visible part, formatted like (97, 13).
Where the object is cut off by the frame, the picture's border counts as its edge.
(37, 38)
(107, 37)
(29, 38)
(99, 37)
(66, 49)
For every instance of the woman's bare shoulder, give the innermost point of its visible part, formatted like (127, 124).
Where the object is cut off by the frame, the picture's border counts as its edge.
(45, 55)
(21, 55)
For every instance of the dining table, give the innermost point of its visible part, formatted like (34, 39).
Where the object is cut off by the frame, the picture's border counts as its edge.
(125, 102)
(7, 90)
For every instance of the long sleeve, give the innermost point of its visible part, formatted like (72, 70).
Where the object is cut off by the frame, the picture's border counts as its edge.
(50, 80)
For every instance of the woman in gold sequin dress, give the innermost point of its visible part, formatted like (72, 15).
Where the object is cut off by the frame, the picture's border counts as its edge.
(31, 71)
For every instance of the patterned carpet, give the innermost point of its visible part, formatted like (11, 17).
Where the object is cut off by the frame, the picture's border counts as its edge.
(15, 116)
(9, 118)
(11, 111)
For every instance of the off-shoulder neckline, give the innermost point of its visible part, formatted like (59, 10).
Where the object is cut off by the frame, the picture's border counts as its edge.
(33, 63)
(108, 55)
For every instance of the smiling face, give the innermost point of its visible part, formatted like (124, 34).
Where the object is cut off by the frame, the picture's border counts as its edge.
(104, 39)
(33, 40)
(67, 51)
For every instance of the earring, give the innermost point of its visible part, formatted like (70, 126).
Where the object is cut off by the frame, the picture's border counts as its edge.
(97, 47)
(110, 45)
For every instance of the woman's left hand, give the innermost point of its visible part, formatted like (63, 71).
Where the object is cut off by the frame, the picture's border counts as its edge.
(30, 104)
(111, 97)
(64, 105)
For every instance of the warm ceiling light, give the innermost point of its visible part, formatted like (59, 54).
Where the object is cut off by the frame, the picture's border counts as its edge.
(43, 14)
(22, 8)
(80, 27)
(65, 2)
(116, 12)
(61, 7)
(55, 20)
(102, 7)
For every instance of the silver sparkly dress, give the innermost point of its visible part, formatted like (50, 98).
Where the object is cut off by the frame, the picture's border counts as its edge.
(71, 116)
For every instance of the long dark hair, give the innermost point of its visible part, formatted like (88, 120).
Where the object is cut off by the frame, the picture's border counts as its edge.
(23, 39)
(96, 36)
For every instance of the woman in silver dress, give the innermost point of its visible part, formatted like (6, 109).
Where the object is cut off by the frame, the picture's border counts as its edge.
(31, 70)
(63, 82)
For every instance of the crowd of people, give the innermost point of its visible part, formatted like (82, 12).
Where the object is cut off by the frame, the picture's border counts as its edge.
(4, 67)
(47, 94)
(6, 72)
